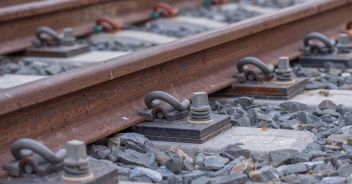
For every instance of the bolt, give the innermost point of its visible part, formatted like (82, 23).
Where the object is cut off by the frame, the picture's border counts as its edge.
(68, 37)
(343, 43)
(76, 162)
(283, 63)
(200, 111)
(343, 39)
(283, 71)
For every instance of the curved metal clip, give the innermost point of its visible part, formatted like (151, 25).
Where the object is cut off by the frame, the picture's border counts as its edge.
(311, 48)
(265, 72)
(107, 24)
(48, 37)
(43, 163)
(172, 109)
(163, 9)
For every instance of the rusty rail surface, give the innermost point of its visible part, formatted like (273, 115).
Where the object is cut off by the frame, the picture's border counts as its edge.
(19, 22)
(4, 3)
(94, 102)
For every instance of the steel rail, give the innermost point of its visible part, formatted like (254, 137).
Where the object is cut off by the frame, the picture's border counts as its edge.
(5, 3)
(94, 102)
(19, 22)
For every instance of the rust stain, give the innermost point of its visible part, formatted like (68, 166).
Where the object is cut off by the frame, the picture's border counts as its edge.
(264, 129)
(325, 93)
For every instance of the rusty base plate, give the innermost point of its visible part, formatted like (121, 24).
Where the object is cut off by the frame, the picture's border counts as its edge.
(343, 60)
(104, 172)
(183, 131)
(266, 90)
(58, 51)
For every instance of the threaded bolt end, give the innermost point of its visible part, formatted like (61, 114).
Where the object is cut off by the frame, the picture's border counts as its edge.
(343, 44)
(68, 37)
(76, 162)
(283, 71)
(343, 39)
(200, 109)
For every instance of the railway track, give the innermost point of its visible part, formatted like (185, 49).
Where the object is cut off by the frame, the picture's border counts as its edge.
(108, 95)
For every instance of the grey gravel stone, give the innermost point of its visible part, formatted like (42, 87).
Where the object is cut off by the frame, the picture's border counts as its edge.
(26, 71)
(243, 167)
(174, 163)
(347, 129)
(188, 164)
(279, 157)
(264, 174)
(339, 139)
(133, 141)
(341, 162)
(187, 178)
(300, 179)
(123, 170)
(312, 165)
(32, 67)
(114, 142)
(327, 104)
(99, 151)
(11, 67)
(131, 157)
(200, 160)
(348, 118)
(164, 172)
(317, 153)
(327, 118)
(201, 180)
(327, 165)
(243, 101)
(187, 161)
(328, 112)
(174, 179)
(53, 69)
(293, 106)
(345, 170)
(306, 118)
(230, 165)
(290, 124)
(333, 180)
(331, 85)
(315, 85)
(233, 151)
(218, 14)
(214, 162)
(229, 179)
(145, 172)
(292, 169)
(173, 29)
(240, 117)
(272, 3)
(142, 179)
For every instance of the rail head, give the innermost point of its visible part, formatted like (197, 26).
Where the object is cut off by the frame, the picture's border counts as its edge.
(26, 10)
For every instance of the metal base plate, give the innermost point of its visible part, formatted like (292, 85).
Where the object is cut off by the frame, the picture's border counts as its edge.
(183, 131)
(58, 51)
(266, 90)
(342, 60)
(103, 172)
